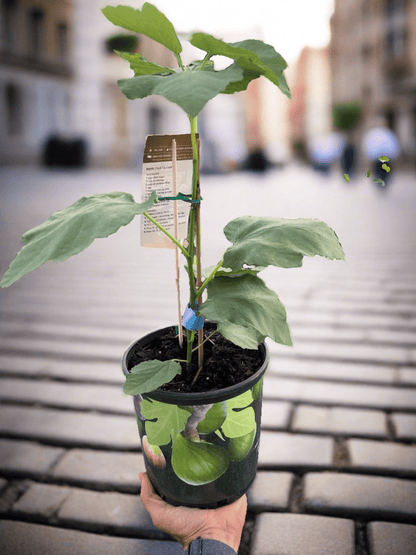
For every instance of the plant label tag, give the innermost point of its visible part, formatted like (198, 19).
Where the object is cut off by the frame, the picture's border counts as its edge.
(157, 176)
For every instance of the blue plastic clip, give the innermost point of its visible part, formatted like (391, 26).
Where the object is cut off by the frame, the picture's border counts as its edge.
(191, 321)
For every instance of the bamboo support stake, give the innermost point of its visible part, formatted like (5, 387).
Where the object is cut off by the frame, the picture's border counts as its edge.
(176, 235)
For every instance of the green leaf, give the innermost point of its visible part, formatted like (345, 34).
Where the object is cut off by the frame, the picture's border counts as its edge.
(239, 422)
(148, 21)
(213, 419)
(240, 447)
(141, 66)
(246, 301)
(198, 463)
(164, 421)
(72, 230)
(190, 90)
(383, 159)
(148, 376)
(385, 167)
(227, 272)
(254, 56)
(245, 337)
(368, 173)
(346, 177)
(278, 242)
(375, 181)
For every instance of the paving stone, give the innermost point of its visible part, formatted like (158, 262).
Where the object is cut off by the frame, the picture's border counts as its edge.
(335, 371)
(41, 500)
(327, 393)
(270, 491)
(294, 534)
(387, 538)
(345, 351)
(100, 469)
(360, 496)
(275, 414)
(121, 513)
(405, 425)
(63, 349)
(382, 457)
(278, 449)
(74, 370)
(106, 398)
(21, 538)
(408, 376)
(70, 428)
(25, 457)
(342, 421)
(3, 484)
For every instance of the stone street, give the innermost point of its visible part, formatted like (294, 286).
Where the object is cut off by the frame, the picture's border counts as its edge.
(337, 464)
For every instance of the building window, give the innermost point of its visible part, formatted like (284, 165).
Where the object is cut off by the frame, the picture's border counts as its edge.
(395, 6)
(9, 8)
(396, 43)
(36, 17)
(62, 41)
(13, 109)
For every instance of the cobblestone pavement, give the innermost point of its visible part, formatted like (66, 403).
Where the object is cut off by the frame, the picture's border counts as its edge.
(337, 464)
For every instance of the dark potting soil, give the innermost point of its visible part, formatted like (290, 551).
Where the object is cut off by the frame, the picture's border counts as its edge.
(225, 364)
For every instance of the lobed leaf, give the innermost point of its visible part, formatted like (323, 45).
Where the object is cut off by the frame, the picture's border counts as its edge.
(247, 302)
(254, 56)
(148, 376)
(190, 90)
(278, 242)
(73, 229)
(163, 421)
(148, 21)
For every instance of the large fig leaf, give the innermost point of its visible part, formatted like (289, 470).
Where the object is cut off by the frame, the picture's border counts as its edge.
(240, 419)
(148, 21)
(190, 90)
(246, 337)
(148, 376)
(246, 301)
(198, 463)
(254, 56)
(278, 242)
(163, 421)
(73, 229)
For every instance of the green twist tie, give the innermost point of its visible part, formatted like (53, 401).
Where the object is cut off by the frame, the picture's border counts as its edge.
(181, 196)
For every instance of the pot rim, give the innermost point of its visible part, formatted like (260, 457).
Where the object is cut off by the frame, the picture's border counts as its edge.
(202, 397)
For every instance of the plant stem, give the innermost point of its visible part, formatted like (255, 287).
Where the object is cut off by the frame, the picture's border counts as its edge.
(191, 235)
(157, 224)
(209, 278)
(179, 59)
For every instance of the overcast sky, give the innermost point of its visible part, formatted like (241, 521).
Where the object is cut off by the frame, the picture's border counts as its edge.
(288, 25)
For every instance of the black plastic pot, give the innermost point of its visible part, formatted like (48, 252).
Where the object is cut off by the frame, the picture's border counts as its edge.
(200, 449)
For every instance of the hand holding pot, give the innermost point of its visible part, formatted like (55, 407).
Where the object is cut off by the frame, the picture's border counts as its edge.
(185, 524)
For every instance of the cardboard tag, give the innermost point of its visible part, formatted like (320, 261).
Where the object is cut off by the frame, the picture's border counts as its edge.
(157, 176)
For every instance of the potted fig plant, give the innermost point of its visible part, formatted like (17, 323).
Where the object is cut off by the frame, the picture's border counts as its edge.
(198, 403)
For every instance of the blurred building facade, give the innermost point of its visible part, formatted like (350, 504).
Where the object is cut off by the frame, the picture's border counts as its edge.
(310, 106)
(373, 61)
(35, 74)
(58, 78)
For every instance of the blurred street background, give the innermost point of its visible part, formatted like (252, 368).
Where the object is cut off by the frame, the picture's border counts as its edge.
(337, 456)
